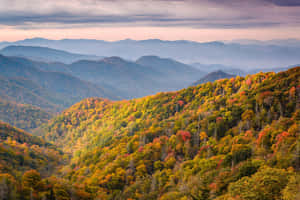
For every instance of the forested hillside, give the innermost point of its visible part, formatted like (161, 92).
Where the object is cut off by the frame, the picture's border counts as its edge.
(26, 117)
(235, 138)
(29, 166)
(26, 91)
(22, 158)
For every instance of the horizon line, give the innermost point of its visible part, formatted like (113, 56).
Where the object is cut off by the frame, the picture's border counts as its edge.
(130, 39)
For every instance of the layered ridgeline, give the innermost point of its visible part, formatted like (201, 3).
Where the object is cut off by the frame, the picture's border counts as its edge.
(45, 54)
(113, 78)
(234, 138)
(148, 75)
(56, 86)
(264, 54)
(26, 81)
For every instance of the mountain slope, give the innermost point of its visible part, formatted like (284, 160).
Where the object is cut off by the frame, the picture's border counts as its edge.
(22, 116)
(223, 140)
(20, 151)
(44, 54)
(176, 74)
(128, 77)
(25, 91)
(213, 76)
(111, 77)
(63, 88)
(26, 164)
(167, 66)
(136, 79)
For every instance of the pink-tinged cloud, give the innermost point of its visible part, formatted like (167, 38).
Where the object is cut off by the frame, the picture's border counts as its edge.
(141, 19)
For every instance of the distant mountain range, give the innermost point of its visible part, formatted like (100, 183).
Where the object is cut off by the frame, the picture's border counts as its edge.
(213, 76)
(148, 75)
(280, 42)
(215, 67)
(45, 54)
(54, 86)
(249, 56)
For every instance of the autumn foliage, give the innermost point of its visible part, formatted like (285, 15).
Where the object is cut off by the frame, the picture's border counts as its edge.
(230, 139)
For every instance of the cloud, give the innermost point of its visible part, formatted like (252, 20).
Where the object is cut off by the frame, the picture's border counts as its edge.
(285, 2)
(26, 14)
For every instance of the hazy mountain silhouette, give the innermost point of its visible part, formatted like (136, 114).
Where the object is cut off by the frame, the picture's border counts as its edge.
(45, 54)
(147, 75)
(213, 76)
(60, 89)
(232, 54)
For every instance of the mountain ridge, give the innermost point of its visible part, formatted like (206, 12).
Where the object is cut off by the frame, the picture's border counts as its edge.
(44, 54)
(232, 54)
(64, 89)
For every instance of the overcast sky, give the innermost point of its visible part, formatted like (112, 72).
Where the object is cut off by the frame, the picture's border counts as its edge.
(199, 20)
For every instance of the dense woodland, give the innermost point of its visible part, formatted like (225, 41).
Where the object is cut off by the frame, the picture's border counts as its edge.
(234, 139)
(24, 116)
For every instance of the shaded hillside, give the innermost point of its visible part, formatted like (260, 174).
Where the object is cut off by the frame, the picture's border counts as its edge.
(25, 91)
(235, 138)
(23, 116)
(213, 76)
(58, 88)
(168, 66)
(112, 77)
(175, 74)
(44, 54)
(147, 76)
(130, 78)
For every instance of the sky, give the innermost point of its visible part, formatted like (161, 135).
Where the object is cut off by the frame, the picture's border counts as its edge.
(197, 20)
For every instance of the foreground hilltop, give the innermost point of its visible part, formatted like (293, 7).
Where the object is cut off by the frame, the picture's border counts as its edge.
(235, 138)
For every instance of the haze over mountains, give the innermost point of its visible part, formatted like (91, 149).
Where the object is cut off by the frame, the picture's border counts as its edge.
(28, 84)
(45, 54)
(54, 86)
(280, 42)
(249, 56)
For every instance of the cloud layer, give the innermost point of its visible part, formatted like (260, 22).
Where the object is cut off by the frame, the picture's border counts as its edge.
(218, 14)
